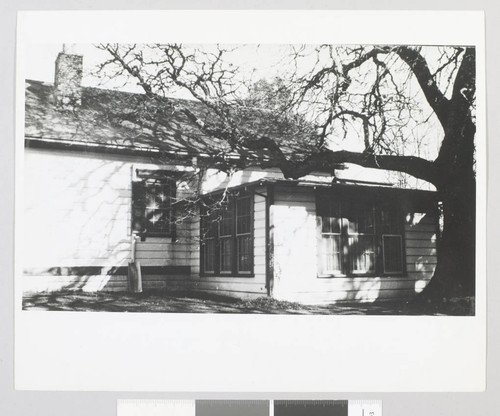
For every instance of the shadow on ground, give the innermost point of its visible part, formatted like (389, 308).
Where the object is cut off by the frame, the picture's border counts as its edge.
(167, 302)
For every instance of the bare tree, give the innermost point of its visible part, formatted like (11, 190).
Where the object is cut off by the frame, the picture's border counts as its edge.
(381, 95)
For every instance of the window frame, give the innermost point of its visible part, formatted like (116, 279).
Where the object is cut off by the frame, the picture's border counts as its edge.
(401, 248)
(232, 204)
(140, 223)
(376, 206)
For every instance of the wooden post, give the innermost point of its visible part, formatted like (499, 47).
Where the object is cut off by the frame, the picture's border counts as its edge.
(134, 270)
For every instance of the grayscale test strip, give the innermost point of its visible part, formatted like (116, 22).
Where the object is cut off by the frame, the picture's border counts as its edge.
(232, 407)
(249, 408)
(311, 408)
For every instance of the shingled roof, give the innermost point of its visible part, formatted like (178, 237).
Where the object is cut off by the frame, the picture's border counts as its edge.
(116, 119)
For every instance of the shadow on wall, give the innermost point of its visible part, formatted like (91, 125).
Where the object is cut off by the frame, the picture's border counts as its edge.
(76, 225)
(294, 250)
(77, 212)
(216, 180)
(293, 246)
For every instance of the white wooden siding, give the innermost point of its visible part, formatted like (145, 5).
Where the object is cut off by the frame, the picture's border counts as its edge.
(421, 254)
(293, 219)
(77, 213)
(42, 283)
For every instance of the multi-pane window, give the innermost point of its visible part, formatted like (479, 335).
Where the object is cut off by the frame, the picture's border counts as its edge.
(361, 237)
(358, 238)
(152, 200)
(331, 245)
(227, 239)
(244, 240)
(392, 241)
(209, 242)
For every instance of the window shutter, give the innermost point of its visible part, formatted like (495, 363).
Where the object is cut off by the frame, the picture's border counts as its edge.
(138, 207)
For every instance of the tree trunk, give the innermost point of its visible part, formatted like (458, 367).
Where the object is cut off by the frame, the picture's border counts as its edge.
(455, 270)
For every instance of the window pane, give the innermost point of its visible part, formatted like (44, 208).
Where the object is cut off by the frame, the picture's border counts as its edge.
(243, 206)
(243, 225)
(157, 212)
(243, 216)
(159, 220)
(330, 254)
(362, 254)
(244, 253)
(360, 219)
(329, 211)
(209, 225)
(331, 225)
(390, 222)
(209, 255)
(393, 261)
(226, 227)
(226, 221)
(226, 255)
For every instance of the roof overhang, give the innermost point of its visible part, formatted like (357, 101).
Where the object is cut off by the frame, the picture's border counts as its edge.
(335, 184)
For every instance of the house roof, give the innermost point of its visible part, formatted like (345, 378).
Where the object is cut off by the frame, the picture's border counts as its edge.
(116, 120)
(129, 123)
(111, 119)
(420, 199)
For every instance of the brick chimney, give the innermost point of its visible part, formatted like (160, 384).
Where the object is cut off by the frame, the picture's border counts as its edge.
(68, 79)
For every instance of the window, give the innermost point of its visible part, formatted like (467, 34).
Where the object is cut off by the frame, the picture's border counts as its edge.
(152, 202)
(392, 241)
(358, 237)
(227, 238)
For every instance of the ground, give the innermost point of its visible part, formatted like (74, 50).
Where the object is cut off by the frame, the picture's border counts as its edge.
(160, 301)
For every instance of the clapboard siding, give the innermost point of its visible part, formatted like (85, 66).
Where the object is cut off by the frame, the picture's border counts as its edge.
(78, 213)
(260, 269)
(418, 234)
(421, 253)
(162, 246)
(232, 287)
(259, 224)
(98, 283)
(260, 211)
(295, 240)
(259, 234)
(424, 243)
(427, 259)
(424, 227)
(354, 289)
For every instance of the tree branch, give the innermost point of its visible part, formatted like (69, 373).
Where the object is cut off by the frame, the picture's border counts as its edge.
(464, 88)
(418, 65)
(415, 166)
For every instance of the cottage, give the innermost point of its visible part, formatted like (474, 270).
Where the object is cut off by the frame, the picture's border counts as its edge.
(100, 192)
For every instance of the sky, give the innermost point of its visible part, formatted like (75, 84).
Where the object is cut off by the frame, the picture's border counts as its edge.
(41, 61)
(255, 61)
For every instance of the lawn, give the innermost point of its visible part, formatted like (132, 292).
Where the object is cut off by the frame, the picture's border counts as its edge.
(165, 302)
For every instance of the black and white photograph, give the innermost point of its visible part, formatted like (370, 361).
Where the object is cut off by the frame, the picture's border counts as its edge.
(250, 178)
(206, 207)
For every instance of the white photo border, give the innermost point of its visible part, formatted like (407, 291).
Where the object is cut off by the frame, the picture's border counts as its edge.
(248, 353)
